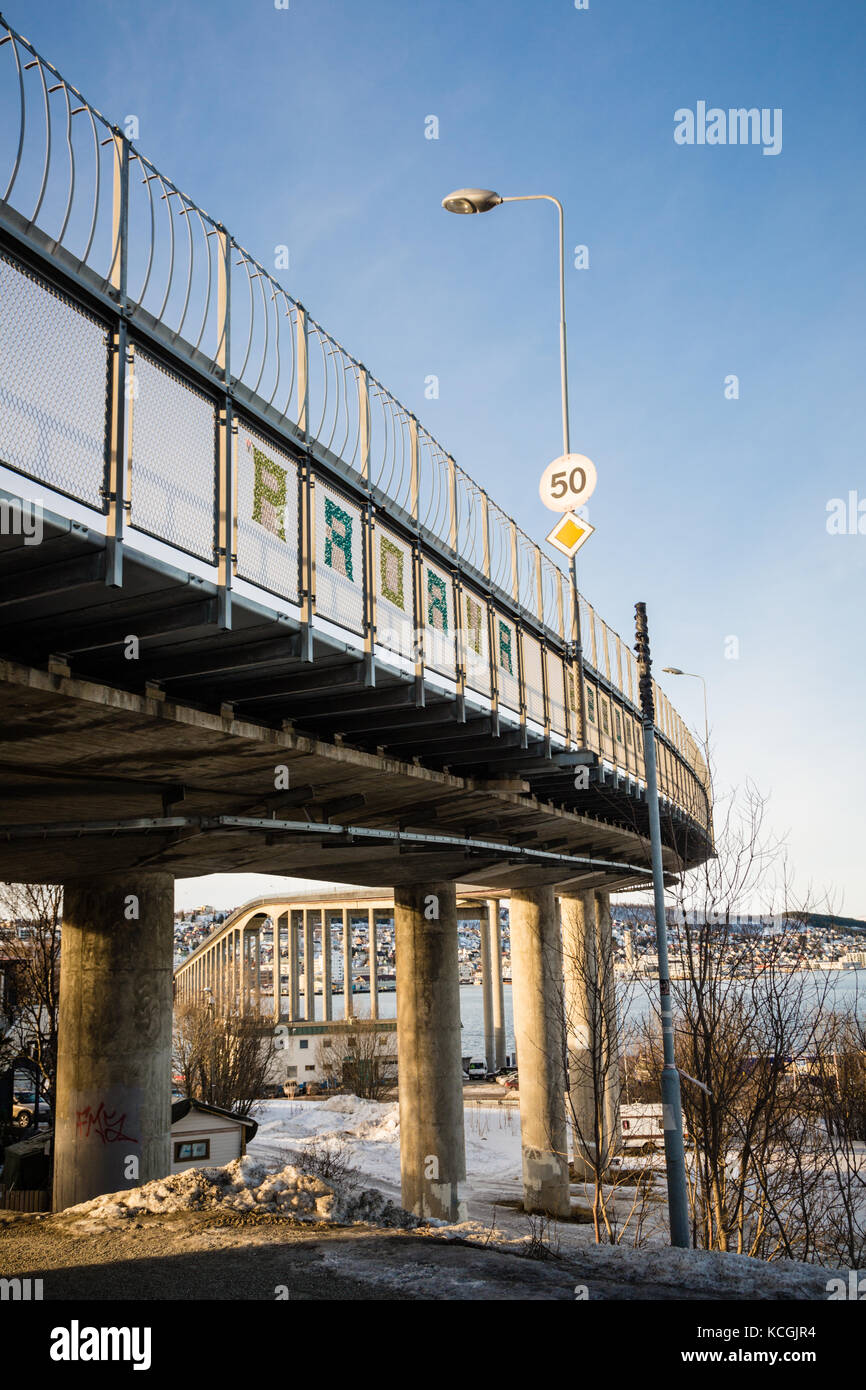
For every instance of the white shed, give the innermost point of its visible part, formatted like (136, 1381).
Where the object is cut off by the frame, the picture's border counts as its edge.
(206, 1136)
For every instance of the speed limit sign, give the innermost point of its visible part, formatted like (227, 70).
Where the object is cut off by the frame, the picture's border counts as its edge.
(568, 482)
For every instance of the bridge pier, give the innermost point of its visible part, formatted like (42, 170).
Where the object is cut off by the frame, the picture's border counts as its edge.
(487, 987)
(113, 1102)
(497, 993)
(432, 1146)
(536, 955)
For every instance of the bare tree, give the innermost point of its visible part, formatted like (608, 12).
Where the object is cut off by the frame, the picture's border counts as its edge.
(361, 1057)
(745, 1017)
(594, 1012)
(224, 1056)
(836, 1080)
(35, 956)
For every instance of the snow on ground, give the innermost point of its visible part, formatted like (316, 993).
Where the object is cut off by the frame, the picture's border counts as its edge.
(355, 1147)
(368, 1131)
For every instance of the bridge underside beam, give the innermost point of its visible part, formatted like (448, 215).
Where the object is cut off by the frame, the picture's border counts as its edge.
(75, 752)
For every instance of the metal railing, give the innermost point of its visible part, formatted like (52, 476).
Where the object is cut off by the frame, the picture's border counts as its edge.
(238, 429)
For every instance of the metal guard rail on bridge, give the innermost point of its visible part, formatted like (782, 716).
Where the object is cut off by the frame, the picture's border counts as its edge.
(157, 374)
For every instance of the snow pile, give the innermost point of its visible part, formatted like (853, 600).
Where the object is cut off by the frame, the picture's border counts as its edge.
(368, 1206)
(249, 1186)
(246, 1185)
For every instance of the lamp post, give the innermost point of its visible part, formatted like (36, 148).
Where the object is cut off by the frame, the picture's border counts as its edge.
(466, 201)
(675, 671)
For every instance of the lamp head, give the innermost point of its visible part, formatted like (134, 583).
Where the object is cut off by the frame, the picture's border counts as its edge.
(673, 670)
(466, 200)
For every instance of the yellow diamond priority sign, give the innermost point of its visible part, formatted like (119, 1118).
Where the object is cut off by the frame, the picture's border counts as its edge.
(569, 534)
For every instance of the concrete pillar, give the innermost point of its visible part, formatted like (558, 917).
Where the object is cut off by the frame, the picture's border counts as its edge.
(536, 955)
(373, 954)
(113, 1101)
(629, 948)
(348, 1002)
(497, 991)
(327, 1004)
(432, 1147)
(309, 965)
(487, 988)
(582, 1009)
(257, 969)
(294, 968)
(277, 966)
(607, 979)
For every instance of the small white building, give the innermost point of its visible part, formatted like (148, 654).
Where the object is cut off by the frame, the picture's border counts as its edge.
(206, 1135)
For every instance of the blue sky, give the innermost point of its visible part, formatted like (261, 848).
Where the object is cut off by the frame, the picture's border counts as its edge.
(307, 127)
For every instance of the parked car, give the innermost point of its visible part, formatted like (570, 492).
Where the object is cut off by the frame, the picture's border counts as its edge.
(477, 1071)
(508, 1079)
(23, 1108)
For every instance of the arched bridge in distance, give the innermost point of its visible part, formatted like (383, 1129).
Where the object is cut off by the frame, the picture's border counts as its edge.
(254, 617)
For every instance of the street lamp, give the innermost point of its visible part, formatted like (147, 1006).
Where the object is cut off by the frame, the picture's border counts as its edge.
(694, 675)
(472, 200)
(675, 671)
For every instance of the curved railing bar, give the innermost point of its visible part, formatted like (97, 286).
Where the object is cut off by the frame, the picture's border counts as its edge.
(37, 63)
(96, 191)
(22, 101)
(61, 87)
(147, 180)
(184, 212)
(206, 244)
(278, 366)
(243, 262)
(289, 303)
(165, 196)
(259, 275)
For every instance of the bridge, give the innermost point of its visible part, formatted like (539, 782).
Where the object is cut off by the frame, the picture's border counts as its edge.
(240, 963)
(253, 617)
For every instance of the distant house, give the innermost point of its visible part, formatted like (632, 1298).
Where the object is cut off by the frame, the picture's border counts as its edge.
(206, 1135)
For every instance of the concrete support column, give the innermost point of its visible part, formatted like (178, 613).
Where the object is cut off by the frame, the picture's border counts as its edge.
(348, 1002)
(327, 1002)
(309, 965)
(432, 1147)
(373, 953)
(629, 947)
(294, 968)
(607, 980)
(496, 988)
(583, 1033)
(536, 955)
(113, 1101)
(257, 969)
(487, 988)
(277, 967)
(246, 967)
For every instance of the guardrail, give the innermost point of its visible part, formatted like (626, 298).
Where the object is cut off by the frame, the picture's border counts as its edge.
(206, 409)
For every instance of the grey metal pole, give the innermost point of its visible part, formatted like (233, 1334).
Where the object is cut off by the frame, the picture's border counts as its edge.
(672, 1110)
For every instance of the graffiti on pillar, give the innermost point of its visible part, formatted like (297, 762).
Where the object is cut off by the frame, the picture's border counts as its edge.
(107, 1125)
